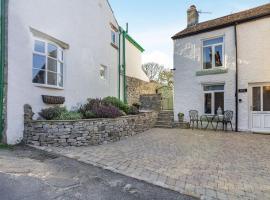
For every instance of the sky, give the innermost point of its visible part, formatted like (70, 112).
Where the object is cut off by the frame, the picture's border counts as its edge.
(152, 23)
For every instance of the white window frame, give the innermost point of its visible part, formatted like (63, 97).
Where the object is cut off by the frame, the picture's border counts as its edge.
(213, 50)
(116, 37)
(212, 92)
(60, 54)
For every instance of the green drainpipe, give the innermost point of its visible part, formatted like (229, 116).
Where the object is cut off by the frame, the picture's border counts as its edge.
(2, 63)
(119, 64)
(124, 66)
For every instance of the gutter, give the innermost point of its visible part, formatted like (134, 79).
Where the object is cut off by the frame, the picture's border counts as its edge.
(236, 79)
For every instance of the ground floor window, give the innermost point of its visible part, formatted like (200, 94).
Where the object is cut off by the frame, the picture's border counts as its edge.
(213, 98)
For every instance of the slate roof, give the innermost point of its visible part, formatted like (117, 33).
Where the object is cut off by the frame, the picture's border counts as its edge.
(229, 20)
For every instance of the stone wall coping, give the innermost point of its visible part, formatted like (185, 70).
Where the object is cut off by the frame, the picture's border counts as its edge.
(91, 120)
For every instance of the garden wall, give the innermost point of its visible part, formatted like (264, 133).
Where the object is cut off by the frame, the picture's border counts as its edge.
(85, 132)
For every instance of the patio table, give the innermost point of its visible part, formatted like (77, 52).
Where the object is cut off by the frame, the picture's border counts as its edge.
(210, 119)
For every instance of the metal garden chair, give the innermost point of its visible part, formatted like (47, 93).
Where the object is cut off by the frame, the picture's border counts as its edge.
(225, 120)
(194, 118)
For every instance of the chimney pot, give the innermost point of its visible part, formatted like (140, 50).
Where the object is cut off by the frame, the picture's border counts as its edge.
(192, 16)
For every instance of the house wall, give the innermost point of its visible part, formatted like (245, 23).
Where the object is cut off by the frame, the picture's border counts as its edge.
(134, 62)
(188, 92)
(253, 61)
(85, 26)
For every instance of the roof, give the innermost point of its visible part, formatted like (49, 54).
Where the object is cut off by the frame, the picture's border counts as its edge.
(229, 20)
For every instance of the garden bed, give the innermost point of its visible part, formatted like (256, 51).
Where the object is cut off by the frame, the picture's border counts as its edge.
(85, 132)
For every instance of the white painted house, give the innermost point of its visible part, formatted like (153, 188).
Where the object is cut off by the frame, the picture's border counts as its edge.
(225, 63)
(59, 48)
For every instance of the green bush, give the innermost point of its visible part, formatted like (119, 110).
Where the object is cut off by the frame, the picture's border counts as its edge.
(89, 115)
(52, 112)
(133, 110)
(69, 115)
(117, 103)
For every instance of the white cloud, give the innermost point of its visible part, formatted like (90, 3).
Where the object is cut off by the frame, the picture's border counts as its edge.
(158, 57)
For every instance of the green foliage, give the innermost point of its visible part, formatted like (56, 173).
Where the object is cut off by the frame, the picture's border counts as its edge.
(69, 115)
(133, 110)
(181, 115)
(52, 112)
(89, 115)
(117, 103)
(5, 146)
(166, 78)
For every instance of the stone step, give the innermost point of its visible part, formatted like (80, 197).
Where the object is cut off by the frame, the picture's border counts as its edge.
(163, 126)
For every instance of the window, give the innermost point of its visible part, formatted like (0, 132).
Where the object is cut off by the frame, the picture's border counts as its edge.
(48, 63)
(213, 53)
(213, 98)
(261, 98)
(114, 38)
(103, 72)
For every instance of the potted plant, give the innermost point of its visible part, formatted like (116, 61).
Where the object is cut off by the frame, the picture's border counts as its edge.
(181, 117)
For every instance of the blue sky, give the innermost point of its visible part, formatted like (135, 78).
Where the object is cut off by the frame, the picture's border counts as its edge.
(153, 22)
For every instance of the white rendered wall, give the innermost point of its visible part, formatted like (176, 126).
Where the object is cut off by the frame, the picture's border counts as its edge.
(188, 60)
(134, 62)
(253, 61)
(85, 26)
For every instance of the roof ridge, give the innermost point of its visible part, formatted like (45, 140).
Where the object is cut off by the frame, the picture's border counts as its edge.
(227, 20)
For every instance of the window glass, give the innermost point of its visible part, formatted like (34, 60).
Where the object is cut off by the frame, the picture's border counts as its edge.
(219, 101)
(39, 46)
(207, 57)
(213, 41)
(256, 98)
(52, 65)
(208, 103)
(38, 76)
(60, 80)
(52, 50)
(213, 87)
(47, 68)
(266, 98)
(39, 62)
(218, 56)
(52, 78)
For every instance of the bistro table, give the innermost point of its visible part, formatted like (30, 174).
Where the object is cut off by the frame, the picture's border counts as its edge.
(210, 119)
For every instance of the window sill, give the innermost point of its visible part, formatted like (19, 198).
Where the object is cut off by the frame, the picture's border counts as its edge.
(48, 86)
(211, 71)
(114, 46)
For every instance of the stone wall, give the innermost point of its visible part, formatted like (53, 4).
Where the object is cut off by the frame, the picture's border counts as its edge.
(151, 102)
(86, 132)
(137, 87)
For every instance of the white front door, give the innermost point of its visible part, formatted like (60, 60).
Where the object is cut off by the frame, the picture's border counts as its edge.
(260, 108)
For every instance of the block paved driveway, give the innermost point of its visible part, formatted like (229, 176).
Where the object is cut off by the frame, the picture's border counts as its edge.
(206, 164)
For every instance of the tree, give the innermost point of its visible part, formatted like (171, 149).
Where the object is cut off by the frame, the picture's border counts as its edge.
(152, 70)
(166, 78)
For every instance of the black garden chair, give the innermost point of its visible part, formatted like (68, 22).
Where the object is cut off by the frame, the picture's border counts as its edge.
(194, 118)
(225, 119)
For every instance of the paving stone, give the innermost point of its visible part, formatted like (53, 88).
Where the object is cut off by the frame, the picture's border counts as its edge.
(207, 164)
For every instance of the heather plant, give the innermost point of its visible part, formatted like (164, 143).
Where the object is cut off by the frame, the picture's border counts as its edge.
(117, 103)
(52, 112)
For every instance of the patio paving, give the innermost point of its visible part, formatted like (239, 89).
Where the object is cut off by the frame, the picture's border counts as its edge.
(205, 164)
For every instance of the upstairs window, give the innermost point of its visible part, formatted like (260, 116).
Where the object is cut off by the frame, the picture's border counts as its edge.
(114, 38)
(213, 53)
(48, 64)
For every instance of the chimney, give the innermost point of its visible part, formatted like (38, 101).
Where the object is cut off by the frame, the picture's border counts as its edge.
(192, 16)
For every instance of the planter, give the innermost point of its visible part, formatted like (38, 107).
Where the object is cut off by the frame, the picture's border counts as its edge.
(54, 100)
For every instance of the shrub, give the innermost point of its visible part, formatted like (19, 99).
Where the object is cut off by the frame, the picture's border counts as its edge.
(52, 112)
(106, 111)
(117, 103)
(89, 115)
(133, 110)
(69, 115)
